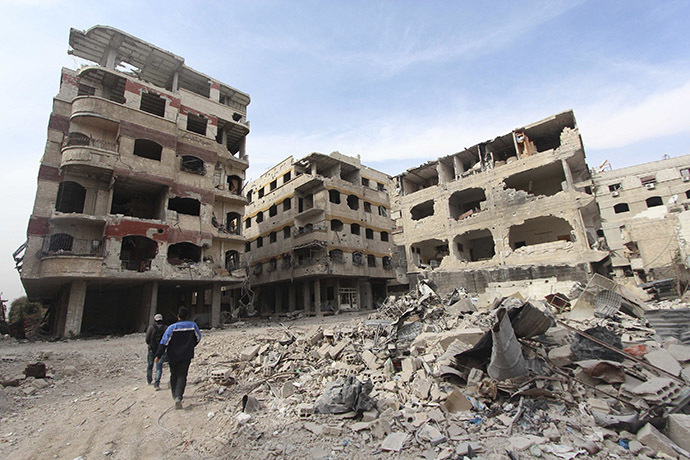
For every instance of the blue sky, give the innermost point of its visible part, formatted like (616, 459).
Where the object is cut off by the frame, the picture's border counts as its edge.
(396, 82)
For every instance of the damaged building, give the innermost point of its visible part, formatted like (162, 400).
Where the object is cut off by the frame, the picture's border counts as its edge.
(318, 235)
(645, 218)
(513, 213)
(138, 204)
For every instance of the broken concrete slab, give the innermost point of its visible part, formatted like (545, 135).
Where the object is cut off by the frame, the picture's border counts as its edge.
(678, 430)
(370, 360)
(655, 440)
(680, 352)
(394, 442)
(457, 402)
(250, 353)
(663, 359)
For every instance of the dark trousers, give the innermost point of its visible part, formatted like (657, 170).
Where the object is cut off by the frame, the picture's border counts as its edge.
(178, 377)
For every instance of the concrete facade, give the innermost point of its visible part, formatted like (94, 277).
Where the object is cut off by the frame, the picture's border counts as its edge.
(319, 235)
(138, 204)
(502, 214)
(644, 211)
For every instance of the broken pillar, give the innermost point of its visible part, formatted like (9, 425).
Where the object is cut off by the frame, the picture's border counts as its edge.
(306, 294)
(277, 307)
(317, 297)
(216, 294)
(291, 298)
(75, 308)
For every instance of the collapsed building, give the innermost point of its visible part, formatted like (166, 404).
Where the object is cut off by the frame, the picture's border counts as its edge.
(513, 213)
(318, 236)
(645, 219)
(138, 203)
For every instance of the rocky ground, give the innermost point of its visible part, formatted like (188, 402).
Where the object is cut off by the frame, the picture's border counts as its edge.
(254, 386)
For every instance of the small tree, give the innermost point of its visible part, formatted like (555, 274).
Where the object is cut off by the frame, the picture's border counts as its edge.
(30, 312)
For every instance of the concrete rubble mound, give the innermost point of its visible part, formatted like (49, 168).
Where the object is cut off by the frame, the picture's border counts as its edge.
(424, 377)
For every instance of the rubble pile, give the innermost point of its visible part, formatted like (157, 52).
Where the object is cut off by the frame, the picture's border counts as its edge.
(434, 378)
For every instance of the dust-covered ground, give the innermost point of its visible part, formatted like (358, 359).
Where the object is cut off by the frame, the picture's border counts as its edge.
(97, 405)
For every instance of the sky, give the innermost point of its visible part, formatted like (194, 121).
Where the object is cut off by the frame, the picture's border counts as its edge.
(397, 82)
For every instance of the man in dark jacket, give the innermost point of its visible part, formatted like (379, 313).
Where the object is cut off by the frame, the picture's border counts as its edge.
(154, 334)
(179, 341)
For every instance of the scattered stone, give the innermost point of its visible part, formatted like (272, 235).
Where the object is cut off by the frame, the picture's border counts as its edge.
(394, 442)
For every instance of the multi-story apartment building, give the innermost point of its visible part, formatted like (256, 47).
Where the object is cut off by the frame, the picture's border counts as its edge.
(503, 213)
(643, 212)
(138, 205)
(318, 235)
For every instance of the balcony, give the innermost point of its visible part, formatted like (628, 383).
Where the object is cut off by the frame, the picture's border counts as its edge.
(223, 194)
(62, 244)
(90, 153)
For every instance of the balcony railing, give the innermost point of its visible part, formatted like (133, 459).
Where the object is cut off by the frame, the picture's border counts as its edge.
(79, 139)
(64, 244)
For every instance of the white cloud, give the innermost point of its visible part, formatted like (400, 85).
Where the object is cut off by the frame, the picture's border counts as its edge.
(617, 123)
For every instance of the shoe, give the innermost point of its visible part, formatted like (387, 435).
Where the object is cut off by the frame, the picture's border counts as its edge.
(178, 403)
(156, 387)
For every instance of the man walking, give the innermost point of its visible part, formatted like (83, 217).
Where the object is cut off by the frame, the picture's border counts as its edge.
(154, 334)
(179, 341)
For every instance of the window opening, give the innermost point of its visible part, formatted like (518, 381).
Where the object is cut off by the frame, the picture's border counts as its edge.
(70, 197)
(334, 196)
(384, 236)
(184, 252)
(369, 233)
(259, 217)
(274, 184)
(137, 252)
(371, 260)
(286, 232)
(367, 206)
(232, 223)
(232, 260)
(654, 201)
(287, 204)
(353, 202)
(196, 123)
(148, 149)
(336, 225)
(272, 237)
(422, 210)
(192, 164)
(60, 242)
(152, 103)
(273, 210)
(621, 207)
(354, 229)
(188, 206)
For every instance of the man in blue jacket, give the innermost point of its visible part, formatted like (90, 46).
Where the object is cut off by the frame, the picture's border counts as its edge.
(179, 341)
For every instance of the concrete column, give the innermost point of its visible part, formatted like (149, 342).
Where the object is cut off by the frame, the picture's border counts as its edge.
(110, 58)
(459, 167)
(359, 295)
(277, 300)
(568, 175)
(306, 295)
(291, 297)
(75, 308)
(317, 297)
(151, 300)
(337, 294)
(200, 301)
(216, 293)
(176, 81)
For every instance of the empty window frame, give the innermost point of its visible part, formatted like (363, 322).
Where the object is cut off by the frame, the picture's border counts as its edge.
(475, 245)
(648, 181)
(152, 103)
(334, 196)
(365, 182)
(249, 196)
(232, 223)
(353, 202)
(387, 262)
(286, 233)
(272, 237)
(464, 203)
(180, 253)
(287, 204)
(614, 187)
(197, 123)
(261, 192)
(192, 164)
(247, 247)
(274, 184)
(70, 197)
(367, 206)
(354, 229)
(286, 177)
(369, 234)
(371, 260)
(336, 225)
(260, 242)
(272, 211)
(621, 207)
(234, 184)
(137, 252)
(382, 211)
(188, 206)
(384, 236)
(248, 222)
(148, 149)
(357, 259)
(380, 187)
(685, 174)
(232, 260)
(540, 230)
(654, 201)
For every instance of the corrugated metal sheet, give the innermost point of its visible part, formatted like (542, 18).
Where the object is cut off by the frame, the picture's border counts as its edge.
(671, 323)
